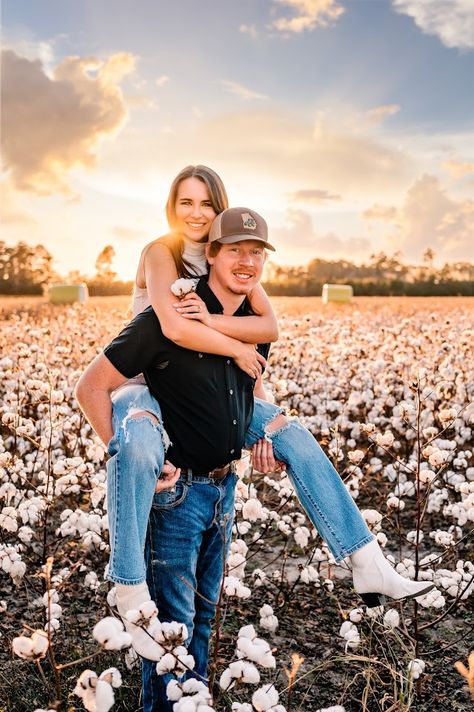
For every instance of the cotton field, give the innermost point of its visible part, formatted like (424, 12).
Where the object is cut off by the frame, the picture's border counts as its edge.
(387, 388)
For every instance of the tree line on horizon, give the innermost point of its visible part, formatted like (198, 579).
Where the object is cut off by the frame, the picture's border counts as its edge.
(28, 270)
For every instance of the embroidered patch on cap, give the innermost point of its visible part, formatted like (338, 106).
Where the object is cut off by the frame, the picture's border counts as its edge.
(248, 221)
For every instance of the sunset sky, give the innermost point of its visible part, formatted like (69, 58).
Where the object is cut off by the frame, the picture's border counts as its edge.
(349, 124)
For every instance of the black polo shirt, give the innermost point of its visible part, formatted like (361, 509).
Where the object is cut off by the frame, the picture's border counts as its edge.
(206, 401)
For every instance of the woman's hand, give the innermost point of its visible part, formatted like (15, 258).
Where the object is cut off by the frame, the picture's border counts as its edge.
(168, 477)
(263, 459)
(191, 306)
(250, 361)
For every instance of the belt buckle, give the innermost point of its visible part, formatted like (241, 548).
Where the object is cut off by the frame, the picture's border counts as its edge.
(219, 473)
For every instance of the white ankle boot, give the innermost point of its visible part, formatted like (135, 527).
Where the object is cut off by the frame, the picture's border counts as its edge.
(374, 577)
(131, 598)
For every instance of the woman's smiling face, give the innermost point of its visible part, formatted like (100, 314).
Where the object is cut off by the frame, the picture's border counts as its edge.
(194, 212)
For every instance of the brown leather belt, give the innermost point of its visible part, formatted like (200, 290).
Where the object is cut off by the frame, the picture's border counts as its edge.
(218, 473)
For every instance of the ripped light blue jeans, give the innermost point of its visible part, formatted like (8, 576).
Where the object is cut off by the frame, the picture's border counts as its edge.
(137, 451)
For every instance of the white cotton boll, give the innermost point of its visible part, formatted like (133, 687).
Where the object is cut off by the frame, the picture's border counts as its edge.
(356, 615)
(252, 510)
(395, 503)
(242, 528)
(8, 519)
(166, 664)
(174, 691)
(416, 668)
(174, 631)
(22, 646)
(427, 476)
(432, 599)
(103, 699)
(236, 563)
(372, 518)
(264, 698)
(183, 286)
(438, 458)
(355, 456)
(309, 575)
(269, 622)
(386, 439)
(109, 633)
(334, 708)
(39, 643)
(391, 619)
(148, 609)
(328, 585)
(242, 707)
(302, 535)
(414, 537)
(250, 674)
(226, 680)
(447, 414)
(247, 631)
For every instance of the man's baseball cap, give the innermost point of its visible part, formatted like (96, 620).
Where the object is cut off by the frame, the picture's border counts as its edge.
(237, 224)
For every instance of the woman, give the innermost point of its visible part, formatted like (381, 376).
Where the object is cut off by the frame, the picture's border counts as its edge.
(196, 196)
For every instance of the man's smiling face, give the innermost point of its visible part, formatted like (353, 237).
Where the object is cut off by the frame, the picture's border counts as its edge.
(238, 267)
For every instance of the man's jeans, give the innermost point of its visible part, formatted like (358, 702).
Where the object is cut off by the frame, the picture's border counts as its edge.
(138, 452)
(187, 545)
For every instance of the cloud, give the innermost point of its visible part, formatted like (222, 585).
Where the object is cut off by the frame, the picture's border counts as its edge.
(241, 91)
(13, 214)
(161, 81)
(249, 30)
(127, 233)
(429, 218)
(299, 237)
(458, 169)
(315, 197)
(380, 113)
(386, 213)
(308, 14)
(52, 124)
(275, 152)
(450, 20)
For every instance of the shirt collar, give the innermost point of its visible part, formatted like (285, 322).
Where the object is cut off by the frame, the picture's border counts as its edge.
(204, 291)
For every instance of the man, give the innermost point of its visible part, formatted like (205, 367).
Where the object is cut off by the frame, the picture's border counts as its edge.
(206, 406)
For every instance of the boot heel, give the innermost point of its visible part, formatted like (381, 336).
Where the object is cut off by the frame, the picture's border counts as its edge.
(372, 600)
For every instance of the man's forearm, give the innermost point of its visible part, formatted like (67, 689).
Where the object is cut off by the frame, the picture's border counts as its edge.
(96, 405)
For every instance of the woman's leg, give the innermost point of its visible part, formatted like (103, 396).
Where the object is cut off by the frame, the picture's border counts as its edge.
(318, 486)
(329, 505)
(137, 451)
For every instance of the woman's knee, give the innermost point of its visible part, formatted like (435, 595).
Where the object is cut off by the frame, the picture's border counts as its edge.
(142, 439)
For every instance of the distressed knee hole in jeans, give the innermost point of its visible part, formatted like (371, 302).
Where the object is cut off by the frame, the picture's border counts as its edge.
(135, 414)
(276, 425)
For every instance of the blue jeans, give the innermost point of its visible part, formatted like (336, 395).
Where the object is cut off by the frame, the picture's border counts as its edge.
(188, 540)
(137, 452)
(319, 489)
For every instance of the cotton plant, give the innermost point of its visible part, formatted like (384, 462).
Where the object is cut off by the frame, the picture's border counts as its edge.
(189, 696)
(268, 620)
(97, 691)
(52, 464)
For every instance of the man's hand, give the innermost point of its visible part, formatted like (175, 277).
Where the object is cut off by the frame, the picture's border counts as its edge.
(168, 477)
(263, 459)
(250, 361)
(191, 306)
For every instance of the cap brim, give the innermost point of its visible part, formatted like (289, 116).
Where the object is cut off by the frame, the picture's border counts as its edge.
(230, 239)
